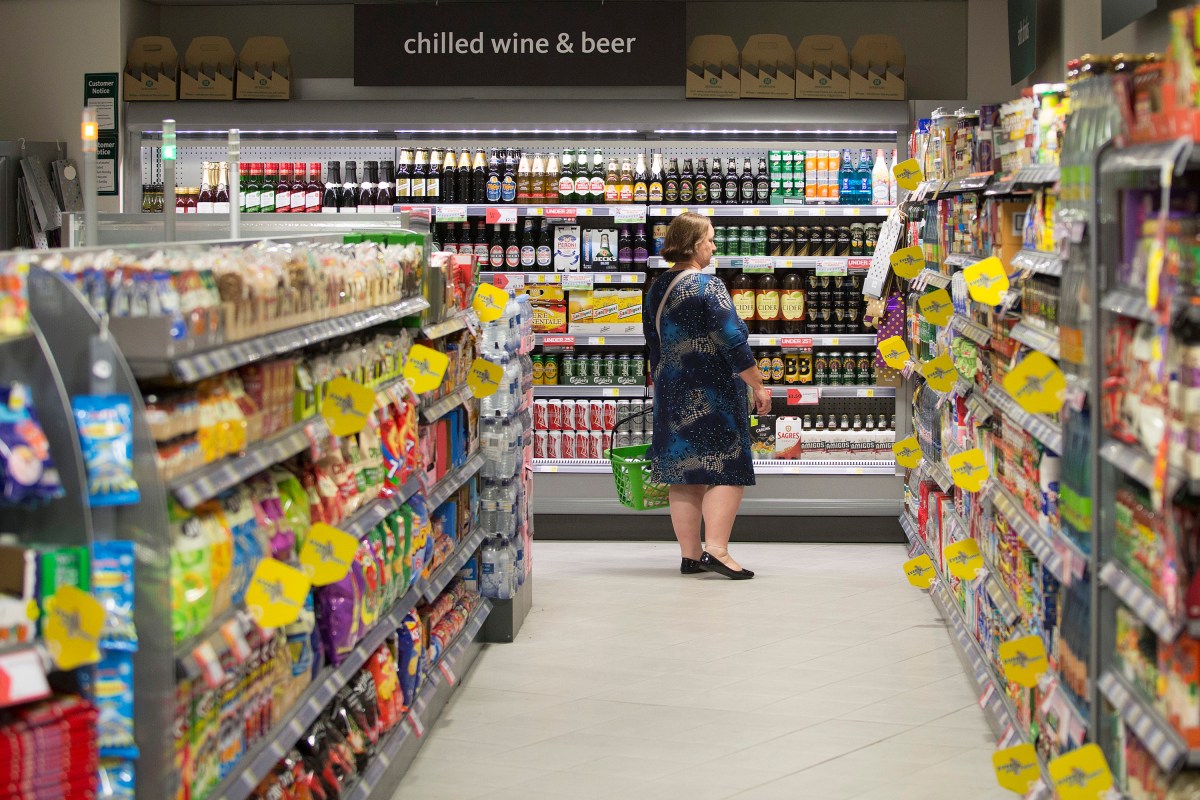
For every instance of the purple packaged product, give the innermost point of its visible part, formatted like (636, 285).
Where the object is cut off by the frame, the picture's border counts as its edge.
(409, 658)
(338, 607)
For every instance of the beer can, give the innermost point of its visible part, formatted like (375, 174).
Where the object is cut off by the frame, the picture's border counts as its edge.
(610, 415)
(582, 414)
(833, 366)
(623, 413)
(623, 439)
(648, 418)
(635, 408)
(568, 367)
(550, 371)
(624, 366)
(568, 415)
(596, 414)
(538, 370)
(540, 443)
(554, 415)
(569, 438)
(608, 372)
(595, 366)
(865, 369)
(541, 411)
(637, 366)
(595, 444)
(554, 444)
(660, 236)
(608, 442)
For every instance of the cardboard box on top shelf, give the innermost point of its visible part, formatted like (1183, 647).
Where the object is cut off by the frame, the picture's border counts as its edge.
(768, 67)
(208, 67)
(713, 68)
(151, 70)
(264, 70)
(822, 68)
(877, 68)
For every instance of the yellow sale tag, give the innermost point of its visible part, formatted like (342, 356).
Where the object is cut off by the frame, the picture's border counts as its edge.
(909, 262)
(1154, 274)
(1024, 660)
(1016, 767)
(919, 571)
(276, 593)
(936, 308)
(894, 352)
(908, 174)
(71, 628)
(327, 554)
(986, 281)
(908, 452)
(1081, 774)
(485, 377)
(940, 373)
(347, 406)
(969, 470)
(1037, 384)
(963, 559)
(424, 368)
(489, 302)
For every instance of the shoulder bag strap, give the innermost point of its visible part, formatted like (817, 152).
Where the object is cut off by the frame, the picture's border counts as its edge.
(663, 303)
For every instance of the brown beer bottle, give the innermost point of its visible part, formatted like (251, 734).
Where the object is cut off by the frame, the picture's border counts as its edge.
(766, 303)
(742, 290)
(793, 305)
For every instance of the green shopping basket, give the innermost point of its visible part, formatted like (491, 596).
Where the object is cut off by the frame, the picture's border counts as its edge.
(631, 472)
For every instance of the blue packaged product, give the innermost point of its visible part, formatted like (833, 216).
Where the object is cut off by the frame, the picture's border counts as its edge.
(410, 658)
(105, 425)
(113, 695)
(27, 473)
(116, 779)
(112, 586)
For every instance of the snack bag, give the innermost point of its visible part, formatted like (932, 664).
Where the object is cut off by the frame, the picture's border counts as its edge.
(27, 473)
(112, 586)
(105, 425)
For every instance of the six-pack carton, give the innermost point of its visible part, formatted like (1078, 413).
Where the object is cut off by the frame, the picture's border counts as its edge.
(768, 67)
(877, 68)
(264, 69)
(822, 68)
(151, 70)
(713, 68)
(209, 65)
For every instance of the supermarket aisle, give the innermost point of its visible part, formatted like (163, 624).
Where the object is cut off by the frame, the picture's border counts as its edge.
(825, 678)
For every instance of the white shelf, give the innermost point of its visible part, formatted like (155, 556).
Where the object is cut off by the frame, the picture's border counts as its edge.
(1037, 174)
(1134, 461)
(772, 211)
(962, 259)
(867, 340)
(1128, 303)
(931, 277)
(556, 278)
(546, 209)
(562, 390)
(581, 339)
(446, 327)
(453, 480)
(434, 411)
(1149, 608)
(1045, 430)
(1038, 262)
(366, 518)
(588, 466)
(837, 391)
(972, 330)
(1036, 338)
(1159, 736)
(1041, 542)
(779, 262)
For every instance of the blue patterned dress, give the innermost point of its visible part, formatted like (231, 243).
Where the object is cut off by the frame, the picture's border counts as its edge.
(701, 415)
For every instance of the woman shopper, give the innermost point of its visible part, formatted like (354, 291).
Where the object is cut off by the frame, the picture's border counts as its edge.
(701, 363)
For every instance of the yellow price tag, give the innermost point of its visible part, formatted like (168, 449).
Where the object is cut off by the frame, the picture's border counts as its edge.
(424, 368)
(1081, 774)
(489, 302)
(485, 377)
(940, 373)
(894, 352)
(1024, 660)
(276, 594)
(1037, 384)
(908, 452)
(868, 393)
(821, 212)
(598, 340)
(327, 554)
(834, 341)
(854, 212)
(963, 559)
(908, 174)
(1016, 767)
(71, 628)
(908, 262)
(347, 406)
(969, 470)
(936, 308)
(1154, 266)
(920, 571)
(987, 281)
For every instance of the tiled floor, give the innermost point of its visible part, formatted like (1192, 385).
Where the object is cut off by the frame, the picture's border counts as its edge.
(827, 677)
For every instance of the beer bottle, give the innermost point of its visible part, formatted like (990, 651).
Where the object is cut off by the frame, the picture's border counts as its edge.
(596, 180)
(793, 306)
(700, 186)
(537, 180)
(493, 178)
(348, 199)
(479, 177)
(687, 182)
(418, 177)
(671, 186)
(512, 250)
(385, 194)
(731, 193)
(566, 178)
(437, 235)
(716, 183)
(626, 193)
(496, 249)
(583, 180)
(329, 200)
(508, 183)
(550, 182)
(741, 289)
(545, 248)
(747, 184)
(641, 188)
(625, 248)
(480, 247)
(433, 177)
(462, 192)
(766, 303)
(612, 183)
(449, 182)
(654, 192)
(762, 184)
(528, 246)
(524, 180)
(641, 251)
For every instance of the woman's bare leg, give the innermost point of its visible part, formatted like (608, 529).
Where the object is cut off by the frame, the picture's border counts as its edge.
(720, 508)
(686, 514)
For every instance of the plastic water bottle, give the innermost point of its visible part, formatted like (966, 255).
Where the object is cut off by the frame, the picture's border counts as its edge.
(519, 561)
(498, 559)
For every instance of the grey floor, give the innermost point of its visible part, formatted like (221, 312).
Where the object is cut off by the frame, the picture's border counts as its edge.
(827, 677)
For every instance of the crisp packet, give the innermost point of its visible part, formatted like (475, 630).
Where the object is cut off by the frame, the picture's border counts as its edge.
(112, 586)
(105, 424)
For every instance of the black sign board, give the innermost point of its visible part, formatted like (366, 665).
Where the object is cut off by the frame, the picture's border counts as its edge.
(560, 43)
(1116, 14)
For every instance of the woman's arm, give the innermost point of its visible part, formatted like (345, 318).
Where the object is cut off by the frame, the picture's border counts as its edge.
(728, 330)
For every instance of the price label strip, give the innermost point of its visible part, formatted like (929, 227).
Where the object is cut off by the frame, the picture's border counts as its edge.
(327, 554)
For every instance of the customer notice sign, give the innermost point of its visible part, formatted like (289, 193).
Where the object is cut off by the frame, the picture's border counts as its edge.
(559, 43)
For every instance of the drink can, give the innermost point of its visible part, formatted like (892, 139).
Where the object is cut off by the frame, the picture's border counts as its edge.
(549, 370)
(554, 444)
(833, 365)
(595, 366)
(582, 412)
(608, 441)
(538, 370)
(720, 235)
(648, 418)
(595, 444)
(596, 415)
(568, 444)
(637, 366)
(623, 413)
(540, 445)
(609, 368)
(623, 439)
(624, 366)
(864, 368)
(635, 408)
(568, 415)
(554, 415)
(568, 367)
(610, 414)
(541, 412)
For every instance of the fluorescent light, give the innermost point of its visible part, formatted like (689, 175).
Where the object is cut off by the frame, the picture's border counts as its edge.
(775, 131)
(510, 131)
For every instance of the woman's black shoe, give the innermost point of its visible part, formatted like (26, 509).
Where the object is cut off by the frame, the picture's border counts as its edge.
(711, 564)
(689, 566)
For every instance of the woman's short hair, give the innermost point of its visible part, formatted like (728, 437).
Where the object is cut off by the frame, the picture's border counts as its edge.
(684, 236)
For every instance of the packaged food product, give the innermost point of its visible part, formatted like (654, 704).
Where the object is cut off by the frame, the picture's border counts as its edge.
(105, 425)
